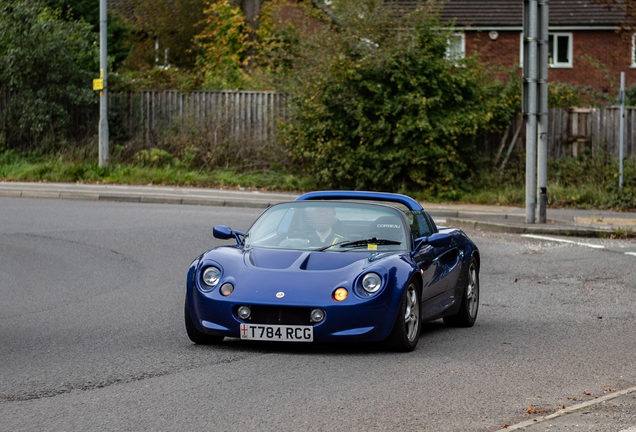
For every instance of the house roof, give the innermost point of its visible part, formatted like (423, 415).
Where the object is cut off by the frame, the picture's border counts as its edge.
(509, 13)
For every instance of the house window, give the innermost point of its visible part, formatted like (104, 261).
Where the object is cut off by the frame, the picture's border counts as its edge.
(456, 48)
(559, 50)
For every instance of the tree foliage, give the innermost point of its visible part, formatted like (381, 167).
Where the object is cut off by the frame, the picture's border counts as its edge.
(47, 63)
(236, 53)
(120, 39)
(172, 24)
(377, 105)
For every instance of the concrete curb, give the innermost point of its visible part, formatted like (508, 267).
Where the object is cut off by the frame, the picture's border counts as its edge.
(561, 229)
(509, 221)
(140, 198)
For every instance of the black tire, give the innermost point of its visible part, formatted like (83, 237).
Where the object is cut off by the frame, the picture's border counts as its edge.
(469, 307)
(406, 330)
(194, 334)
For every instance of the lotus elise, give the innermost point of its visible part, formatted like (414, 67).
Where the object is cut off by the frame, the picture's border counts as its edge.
(334, 267)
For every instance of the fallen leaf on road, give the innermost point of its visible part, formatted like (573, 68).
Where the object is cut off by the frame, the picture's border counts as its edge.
(531, 410)
(587, 392)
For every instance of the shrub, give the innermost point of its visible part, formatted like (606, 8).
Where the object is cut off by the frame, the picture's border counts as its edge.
(49, 73)
(379, 106)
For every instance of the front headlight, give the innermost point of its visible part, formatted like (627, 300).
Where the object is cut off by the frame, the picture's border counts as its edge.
(211, 276)
(371, 282)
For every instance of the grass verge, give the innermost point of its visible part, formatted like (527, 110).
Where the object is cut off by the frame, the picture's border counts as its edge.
(58, 170)
(493, 190)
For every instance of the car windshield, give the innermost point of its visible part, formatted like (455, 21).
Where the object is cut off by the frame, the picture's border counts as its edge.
(329, 226)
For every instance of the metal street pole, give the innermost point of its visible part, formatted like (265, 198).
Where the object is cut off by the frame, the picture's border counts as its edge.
(542, 139)
(530, 21)
(621, 99)
(103, 94)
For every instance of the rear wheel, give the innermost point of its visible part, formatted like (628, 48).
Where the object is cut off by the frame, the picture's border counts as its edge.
(406, 330)
(467, 313)
(194, 334)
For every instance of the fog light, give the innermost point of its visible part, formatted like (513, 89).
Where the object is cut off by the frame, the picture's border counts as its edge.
(340, 294)
(244, 312)
(317, 315)
(227, 289)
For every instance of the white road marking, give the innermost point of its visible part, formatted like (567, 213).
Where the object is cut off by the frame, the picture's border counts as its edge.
(590, 245)
(594, 246)
(559, 413)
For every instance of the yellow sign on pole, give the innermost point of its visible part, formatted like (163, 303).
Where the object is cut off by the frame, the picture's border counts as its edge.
(98, 84)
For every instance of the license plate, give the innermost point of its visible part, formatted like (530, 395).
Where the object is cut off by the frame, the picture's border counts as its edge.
(282, 333)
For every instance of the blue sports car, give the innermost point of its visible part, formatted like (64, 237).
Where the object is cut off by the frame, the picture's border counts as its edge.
(334, 266)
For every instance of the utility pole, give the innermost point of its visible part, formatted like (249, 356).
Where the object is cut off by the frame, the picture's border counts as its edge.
(529, 98)
(621, 100)
(103, 94)
(542, 138)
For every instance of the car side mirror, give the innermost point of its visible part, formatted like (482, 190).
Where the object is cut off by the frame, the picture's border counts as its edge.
(222, 232)
(225, 233)
(435, 240)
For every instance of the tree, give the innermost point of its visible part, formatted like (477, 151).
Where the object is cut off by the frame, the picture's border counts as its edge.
(377, 105)
(120, 42)
(240, 53)
(251, 10)
(48, 64)
(172, 24)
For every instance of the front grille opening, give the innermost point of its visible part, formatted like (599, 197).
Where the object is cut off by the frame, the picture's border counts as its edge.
(279, 315)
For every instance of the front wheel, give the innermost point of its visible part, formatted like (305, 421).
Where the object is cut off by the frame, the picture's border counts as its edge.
(467, 313)
(406, 330)
(194, 334)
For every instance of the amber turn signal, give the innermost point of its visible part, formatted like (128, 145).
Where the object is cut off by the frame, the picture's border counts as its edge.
(340, 294)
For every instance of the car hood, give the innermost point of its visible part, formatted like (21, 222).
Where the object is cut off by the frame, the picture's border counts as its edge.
(272, 259)
(258, 274)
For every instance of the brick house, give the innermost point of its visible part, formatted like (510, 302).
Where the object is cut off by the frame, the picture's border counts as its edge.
(584, 38)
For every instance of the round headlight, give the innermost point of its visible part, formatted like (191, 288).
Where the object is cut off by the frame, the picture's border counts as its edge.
(371, 282)
(211, 276)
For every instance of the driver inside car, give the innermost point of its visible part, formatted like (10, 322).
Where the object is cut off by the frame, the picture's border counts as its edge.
(322, 226)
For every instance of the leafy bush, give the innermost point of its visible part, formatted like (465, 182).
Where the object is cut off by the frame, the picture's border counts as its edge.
(566, 95)
(48, 72)
(379, 106)
(591, 181)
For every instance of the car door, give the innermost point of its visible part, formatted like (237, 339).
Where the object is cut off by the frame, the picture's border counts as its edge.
(434, 262)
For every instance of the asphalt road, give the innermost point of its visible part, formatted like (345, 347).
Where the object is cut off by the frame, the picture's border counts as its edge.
(92, 336)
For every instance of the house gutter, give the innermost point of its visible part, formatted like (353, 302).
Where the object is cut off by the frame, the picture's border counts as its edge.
(520, 28)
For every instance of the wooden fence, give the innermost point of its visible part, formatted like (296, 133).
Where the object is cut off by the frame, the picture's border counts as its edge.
(253, 115)
(245, 114)
(572, 131)
(240, 114)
